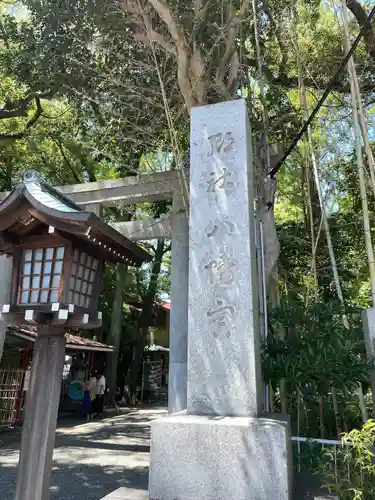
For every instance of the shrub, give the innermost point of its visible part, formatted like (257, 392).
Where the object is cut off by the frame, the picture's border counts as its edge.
(350, 470)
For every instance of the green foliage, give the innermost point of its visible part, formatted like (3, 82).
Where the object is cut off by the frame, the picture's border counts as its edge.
(349, 471)
(315, 353)
(317, 350)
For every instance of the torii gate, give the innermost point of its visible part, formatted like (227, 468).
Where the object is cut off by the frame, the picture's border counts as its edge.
(133, 190)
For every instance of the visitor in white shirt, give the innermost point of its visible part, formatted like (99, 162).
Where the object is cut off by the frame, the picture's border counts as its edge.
(100, 391)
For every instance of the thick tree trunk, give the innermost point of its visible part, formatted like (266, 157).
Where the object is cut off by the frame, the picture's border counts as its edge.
(144, 324)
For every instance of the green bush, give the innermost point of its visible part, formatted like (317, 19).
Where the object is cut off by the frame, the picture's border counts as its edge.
(350, 470)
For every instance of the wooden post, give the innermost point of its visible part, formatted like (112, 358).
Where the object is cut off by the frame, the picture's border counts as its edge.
(42, 403)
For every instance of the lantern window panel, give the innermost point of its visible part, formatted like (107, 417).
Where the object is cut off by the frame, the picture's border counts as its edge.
(28, 255)
(47, 267)
(60, 253)
(40, 279)
(49, 253)
(38, 254)
(84, 270)
(45, 280)
(35, 283)
(58, 266)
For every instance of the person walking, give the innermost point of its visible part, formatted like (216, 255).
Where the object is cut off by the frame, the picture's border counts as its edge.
(89, 396)
(100, 391)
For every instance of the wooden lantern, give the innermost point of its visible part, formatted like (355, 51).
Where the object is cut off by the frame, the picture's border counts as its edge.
(59, 251)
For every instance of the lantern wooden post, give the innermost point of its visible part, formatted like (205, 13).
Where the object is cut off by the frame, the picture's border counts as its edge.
(42, 403)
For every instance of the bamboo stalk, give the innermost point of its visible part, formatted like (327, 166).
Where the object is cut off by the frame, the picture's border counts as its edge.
(321, 414)
(318, 183)
(302, 93)
(362, 180)
(325, 218)
(360, 164)
(283, 396)
(272, 404)
(298, 412)
(336, 410)
(363, 125)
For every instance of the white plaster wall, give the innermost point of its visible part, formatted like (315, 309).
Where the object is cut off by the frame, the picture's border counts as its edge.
(5, 283)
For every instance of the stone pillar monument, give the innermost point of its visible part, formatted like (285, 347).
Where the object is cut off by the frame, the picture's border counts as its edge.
(221, 448)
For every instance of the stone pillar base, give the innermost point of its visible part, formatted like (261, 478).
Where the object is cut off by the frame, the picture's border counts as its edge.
(220, 458)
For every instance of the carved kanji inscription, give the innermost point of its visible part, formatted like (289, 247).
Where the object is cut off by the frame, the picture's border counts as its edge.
(216, 181)
(221, 271)
(221, 313)
(220, 142)
(218, 228)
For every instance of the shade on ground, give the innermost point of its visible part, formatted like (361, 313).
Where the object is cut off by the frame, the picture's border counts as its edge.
(93, 459)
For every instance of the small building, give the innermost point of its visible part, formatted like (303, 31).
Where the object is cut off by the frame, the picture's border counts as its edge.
(82, 355)
(159, 325)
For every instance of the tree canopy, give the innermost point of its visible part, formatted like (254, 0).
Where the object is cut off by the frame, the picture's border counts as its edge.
(92, 90)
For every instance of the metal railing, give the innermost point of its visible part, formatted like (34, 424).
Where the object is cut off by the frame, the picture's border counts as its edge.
(308, 452)
(313, 443)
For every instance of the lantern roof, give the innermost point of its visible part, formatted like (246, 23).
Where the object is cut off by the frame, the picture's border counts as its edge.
(33, 204)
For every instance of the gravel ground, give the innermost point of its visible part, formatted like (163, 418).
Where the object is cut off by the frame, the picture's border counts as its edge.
(92, 459)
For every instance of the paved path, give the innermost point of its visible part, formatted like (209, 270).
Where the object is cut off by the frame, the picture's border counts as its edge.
(91, 459)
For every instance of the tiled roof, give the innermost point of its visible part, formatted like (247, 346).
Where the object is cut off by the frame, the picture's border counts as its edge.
(72, 341)
(49, 196)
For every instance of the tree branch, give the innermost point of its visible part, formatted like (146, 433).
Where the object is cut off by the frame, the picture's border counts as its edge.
(13, 113)
(29, 124)
(278, 35)
(196, 74)
(65, 158)
(153, 36)
(234, 23)
(18, 109)
(179, 39)
(361, 16)
(288, 82)
(165, 15)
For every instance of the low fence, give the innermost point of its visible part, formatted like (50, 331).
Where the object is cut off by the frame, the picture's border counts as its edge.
(331, 459)
(10, 396)
(306, 451)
